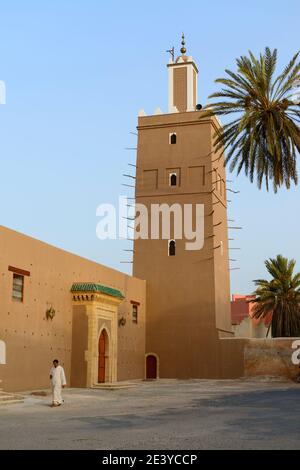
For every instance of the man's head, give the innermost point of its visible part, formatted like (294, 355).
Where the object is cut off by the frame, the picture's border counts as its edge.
(55, 362)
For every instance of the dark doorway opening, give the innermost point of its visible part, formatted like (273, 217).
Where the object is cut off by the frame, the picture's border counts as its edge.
(151, 367)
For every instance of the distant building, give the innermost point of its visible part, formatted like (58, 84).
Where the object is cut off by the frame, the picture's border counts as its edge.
(243, 323)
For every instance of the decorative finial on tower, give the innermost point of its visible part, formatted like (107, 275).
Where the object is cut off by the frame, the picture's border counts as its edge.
(183, 49)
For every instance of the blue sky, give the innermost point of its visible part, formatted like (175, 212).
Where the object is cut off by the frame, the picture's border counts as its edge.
(77, 72)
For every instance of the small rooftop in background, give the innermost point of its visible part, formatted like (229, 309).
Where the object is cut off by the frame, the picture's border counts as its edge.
(241, 308)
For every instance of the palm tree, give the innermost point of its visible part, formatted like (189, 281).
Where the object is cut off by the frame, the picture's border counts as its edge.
(279, 298)
(264, 137)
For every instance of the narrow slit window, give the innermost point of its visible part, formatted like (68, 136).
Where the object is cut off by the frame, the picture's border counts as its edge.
(172, 248)
(18, 288)
(173, 179)
(134, 313)
(173, 139)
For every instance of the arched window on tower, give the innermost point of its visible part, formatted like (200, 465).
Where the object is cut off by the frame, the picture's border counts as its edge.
(173, 138)
(173, 179)
(172, 247)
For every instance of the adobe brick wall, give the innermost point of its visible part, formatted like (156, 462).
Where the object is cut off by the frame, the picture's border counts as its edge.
(270, 357)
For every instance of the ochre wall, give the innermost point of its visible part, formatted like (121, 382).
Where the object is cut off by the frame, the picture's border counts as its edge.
(253, 357)
(221, 244)
(231, 357)
(271, 357)
(32, 341)
(79, 346)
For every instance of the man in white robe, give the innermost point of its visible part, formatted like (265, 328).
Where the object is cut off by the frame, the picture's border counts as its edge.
(58, 381)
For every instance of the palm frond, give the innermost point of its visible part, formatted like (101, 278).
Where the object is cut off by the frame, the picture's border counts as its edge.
(264, 139)
(279, 297)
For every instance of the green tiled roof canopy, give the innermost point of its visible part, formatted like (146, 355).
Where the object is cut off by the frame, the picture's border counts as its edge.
(91, 287)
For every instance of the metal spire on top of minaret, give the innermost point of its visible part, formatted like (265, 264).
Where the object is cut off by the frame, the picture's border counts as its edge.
(182, 82)
(183, 49)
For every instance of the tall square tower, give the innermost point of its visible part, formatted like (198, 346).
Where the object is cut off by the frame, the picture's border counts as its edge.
(188, 293)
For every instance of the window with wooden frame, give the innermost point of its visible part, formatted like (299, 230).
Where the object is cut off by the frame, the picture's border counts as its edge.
(18, 283)
(18, 287)
(135, 306)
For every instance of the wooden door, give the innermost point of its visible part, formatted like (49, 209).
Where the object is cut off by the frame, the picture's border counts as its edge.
(151, 367)
(101, 357)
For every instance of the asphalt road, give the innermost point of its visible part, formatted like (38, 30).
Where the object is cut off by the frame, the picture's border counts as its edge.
(167, 414)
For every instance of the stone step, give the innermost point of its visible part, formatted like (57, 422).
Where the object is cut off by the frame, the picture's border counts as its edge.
(10, 402)
(10, 398)
(113, 386)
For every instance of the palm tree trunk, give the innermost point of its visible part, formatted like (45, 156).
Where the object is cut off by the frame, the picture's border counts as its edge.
(298, 141)
(268, 330)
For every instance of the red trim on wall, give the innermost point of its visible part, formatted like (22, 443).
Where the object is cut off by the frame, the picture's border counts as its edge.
(133, 302)
(22, 272)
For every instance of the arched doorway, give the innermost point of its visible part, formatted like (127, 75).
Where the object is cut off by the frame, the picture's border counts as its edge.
(102, 357)
(151, 367)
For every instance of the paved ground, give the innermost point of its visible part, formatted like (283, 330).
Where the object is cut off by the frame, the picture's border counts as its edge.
(195, 414)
